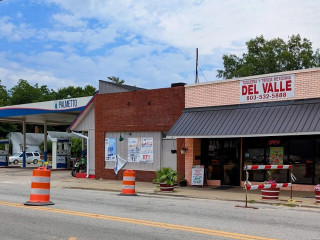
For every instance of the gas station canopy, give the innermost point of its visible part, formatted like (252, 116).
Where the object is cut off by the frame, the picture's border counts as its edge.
(58, 112)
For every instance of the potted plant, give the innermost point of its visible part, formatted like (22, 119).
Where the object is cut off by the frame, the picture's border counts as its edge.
(166, 178)
(183, 182)
(317, 193)
(270, 193)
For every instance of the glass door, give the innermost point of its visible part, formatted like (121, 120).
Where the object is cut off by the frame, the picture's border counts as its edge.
(224, 161)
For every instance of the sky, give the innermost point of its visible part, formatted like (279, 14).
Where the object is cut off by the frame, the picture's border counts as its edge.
(148, 43)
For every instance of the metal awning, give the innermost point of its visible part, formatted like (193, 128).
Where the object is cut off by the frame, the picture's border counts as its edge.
(282, 118)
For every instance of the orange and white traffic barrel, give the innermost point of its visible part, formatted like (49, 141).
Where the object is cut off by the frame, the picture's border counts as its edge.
(129, 183)
(40, 188)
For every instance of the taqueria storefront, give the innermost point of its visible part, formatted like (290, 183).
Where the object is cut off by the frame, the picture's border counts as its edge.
(266, 119)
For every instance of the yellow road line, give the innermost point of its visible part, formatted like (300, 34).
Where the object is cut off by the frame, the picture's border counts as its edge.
(139, 222)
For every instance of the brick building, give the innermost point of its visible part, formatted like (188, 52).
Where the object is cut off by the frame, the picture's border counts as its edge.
(266, 119)
(132, 119)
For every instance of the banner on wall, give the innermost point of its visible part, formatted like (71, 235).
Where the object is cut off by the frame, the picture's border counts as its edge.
(140, 150)
(111, 149)
(276, 155)
(267, 88)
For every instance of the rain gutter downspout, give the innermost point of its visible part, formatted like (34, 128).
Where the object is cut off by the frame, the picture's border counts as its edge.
(88, 149)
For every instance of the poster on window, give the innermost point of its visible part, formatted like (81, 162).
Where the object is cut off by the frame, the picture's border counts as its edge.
(146, 152)
(140, 150)
(111, 149)
(276, 155)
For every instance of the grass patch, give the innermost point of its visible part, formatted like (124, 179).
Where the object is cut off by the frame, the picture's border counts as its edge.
(290, 203)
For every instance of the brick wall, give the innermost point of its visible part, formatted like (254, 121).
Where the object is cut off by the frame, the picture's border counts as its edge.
(141, 176)
(227, 92)
(146, 110)
(194, 149)
(180, 158)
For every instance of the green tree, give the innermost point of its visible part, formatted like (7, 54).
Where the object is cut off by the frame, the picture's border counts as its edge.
(4, 96)
(74, 92)
(45, 94)
(116, 80)
(5, 128)
(76, 147)
(49, 147)
(23, 92)
(270, 56)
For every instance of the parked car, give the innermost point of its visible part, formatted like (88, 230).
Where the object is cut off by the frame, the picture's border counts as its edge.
(31, 157)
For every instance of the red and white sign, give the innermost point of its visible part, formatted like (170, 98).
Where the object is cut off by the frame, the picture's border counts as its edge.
(267, 88)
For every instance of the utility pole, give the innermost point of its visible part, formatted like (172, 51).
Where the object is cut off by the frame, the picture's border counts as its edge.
(197, 78)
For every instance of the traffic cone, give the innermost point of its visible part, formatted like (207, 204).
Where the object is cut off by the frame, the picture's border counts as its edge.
(40, 188)
(128, 184)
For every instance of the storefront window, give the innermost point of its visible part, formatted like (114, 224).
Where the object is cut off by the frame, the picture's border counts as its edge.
(222, 159)
(317, 161)
(263, 151)
(301, 155)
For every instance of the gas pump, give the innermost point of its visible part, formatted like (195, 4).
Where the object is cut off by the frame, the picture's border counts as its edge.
(4, 159)
(63, 153)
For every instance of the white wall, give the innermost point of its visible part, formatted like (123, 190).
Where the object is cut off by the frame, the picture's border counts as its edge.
(169, 159)
(92, 164)
(122, 150)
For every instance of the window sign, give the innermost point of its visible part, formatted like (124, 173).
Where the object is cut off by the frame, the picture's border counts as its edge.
(111, 149)
(276, 155)
(140, 150)
(267, 88)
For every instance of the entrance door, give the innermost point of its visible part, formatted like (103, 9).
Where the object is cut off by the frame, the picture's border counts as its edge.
(231, 162)
(223, 161)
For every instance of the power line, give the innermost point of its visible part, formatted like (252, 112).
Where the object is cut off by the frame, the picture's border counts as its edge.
(203, 74)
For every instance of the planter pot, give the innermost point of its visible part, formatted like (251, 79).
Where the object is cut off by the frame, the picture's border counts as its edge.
(166, 188)
(317, 195)
(270, 193)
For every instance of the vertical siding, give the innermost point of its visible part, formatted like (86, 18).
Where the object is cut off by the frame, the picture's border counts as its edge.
(122, 150)
(87, 122)
(105, 87)
(169, 159)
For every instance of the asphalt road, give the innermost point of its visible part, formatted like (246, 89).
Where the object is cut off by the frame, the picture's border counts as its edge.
(86, 214)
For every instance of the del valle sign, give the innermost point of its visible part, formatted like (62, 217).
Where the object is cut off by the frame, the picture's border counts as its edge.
(267, 88)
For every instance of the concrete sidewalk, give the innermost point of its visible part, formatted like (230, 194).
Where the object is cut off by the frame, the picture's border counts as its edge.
(63, 179)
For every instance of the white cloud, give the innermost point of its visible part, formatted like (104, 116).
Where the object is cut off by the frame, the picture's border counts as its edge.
(157, 38)
(15, 68)
(14, 32)
(205, 24)
(68, 20)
